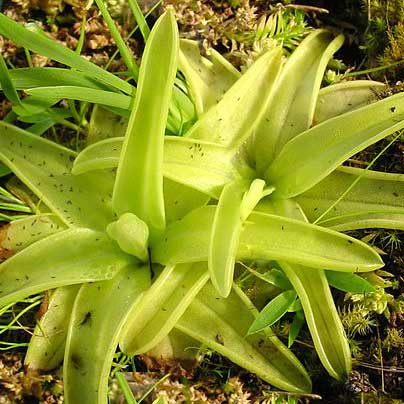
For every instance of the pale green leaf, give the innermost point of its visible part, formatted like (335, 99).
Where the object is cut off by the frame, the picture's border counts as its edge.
(233, 119)
(267, 237)
(222, 324)
(208, 78)
(322, 318)
(44, 166)
(273, 311)
(21, 233)
(161, 306)
(39, 43)
(376, 200)
(99, 313)
(291, 108)
(47, 345)
(308, 158)
(225, 236)
(64, 258)
(204, 166)
(342, 97)
(139, 183)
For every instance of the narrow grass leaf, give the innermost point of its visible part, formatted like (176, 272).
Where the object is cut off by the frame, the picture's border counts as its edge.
(140, 19)
(6, 83)
(273, 311)
(31, 77)
(139, 183)
(376, 200)
(349, 282)
(92, 95)
(295, 327)
(124, 50)
(39, 43)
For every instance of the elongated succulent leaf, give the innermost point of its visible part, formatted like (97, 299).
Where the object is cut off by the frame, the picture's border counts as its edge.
(236, 115)
(139, 183)
(161, 306)
(222, 325)
(308, 158)
(40, 43)
(376, 200)
(45, 168)
(65, 258)
(99, 313)
(293, 102)
(267, 237)
(208, 78)
(343, 97)
(21, 233)
(47, 346)
(201, 165)
(322, 318)
(225, 237)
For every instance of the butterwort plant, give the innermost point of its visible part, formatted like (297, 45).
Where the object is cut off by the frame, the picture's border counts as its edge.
(135, 227)
(272, 159)
(94, 244)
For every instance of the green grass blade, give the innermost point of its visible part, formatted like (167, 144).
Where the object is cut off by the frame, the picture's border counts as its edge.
(139, 183)
(47, 345)
(45, 168)
(376, 194)
(273, 311)
(343, 97)
(140, 19)
(120, 43)
(349, 282)
(6, 83)
(92, 95)
(31, 77)
(161, 306)
(222, 325)
(72, 256)
(99, 313)
(332, 142)
(291, 108)
(39, 43)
